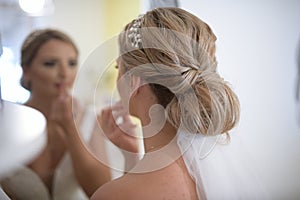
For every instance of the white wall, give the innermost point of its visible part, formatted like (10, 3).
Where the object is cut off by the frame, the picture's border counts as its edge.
(257, 53)
(82, 20)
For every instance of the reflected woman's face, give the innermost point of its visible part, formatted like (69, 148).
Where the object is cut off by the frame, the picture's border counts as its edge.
(53, 69)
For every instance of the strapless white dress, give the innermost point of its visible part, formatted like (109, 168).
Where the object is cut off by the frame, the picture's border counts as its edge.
(25, 184)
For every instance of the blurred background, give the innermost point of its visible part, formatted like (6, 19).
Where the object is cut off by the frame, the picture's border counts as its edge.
(258, 51)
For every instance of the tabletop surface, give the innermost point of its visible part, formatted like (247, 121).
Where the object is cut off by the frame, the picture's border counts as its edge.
(22, 135)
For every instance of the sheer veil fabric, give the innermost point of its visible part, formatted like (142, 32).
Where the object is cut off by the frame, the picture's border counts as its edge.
(220, 171)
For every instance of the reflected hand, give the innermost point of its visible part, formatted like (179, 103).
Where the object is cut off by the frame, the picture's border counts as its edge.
(66, 111)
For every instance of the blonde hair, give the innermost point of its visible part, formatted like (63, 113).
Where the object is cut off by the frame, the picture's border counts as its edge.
(33, 43)
(175, 38)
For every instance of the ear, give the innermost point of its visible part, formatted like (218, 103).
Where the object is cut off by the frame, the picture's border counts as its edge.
(25, 70)
(135, 84)
(25, 79)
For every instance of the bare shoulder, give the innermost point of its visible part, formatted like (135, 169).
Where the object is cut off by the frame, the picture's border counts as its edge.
(170, 182)
(111, 190)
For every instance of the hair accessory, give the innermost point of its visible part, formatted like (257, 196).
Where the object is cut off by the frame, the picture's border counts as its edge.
(134, 33)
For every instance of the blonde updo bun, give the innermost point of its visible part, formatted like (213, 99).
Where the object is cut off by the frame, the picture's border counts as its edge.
(175, 53)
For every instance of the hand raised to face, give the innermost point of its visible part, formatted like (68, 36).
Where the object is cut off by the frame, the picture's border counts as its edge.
(118, 127)
(66, 111)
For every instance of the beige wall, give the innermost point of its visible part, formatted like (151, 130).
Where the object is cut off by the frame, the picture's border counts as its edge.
(92, 22)
(118, 14)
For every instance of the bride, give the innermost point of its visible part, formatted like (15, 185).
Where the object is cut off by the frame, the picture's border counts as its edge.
(168, 79)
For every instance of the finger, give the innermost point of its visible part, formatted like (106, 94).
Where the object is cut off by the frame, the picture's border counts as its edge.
(119, 110)
(106, 115)
(77, 109)
(127, 119)
(119, 114)
(111, 119)
(117, 106)
(64, 91)
(130, 130)
(64, 106)
(62, 109)
(106, 121)
(54, 110)
(101, 118)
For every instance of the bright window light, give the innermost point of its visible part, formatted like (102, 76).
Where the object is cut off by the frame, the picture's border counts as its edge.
(32, 6)
(10, 75)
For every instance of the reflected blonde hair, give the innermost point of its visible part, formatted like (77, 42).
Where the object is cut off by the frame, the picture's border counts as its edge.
(185, 44)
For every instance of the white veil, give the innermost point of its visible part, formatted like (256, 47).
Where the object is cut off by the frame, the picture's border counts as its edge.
(225, 171)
